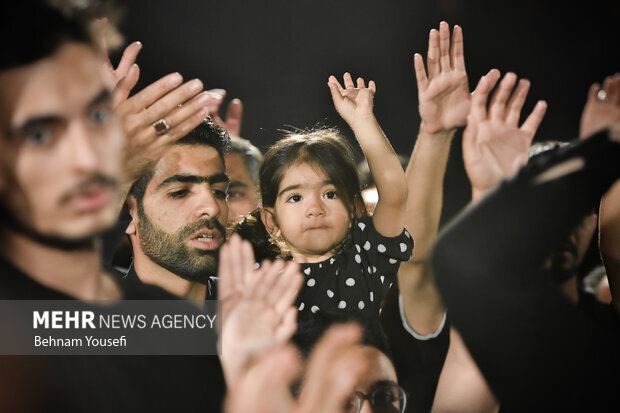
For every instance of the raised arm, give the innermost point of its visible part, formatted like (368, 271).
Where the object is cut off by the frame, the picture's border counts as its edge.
(602, 109)
(354, 104)
(444, 101)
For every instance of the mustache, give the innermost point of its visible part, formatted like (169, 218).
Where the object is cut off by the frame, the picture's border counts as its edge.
(97, 181)
(194, 227)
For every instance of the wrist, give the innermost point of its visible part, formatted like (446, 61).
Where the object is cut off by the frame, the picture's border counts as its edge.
(363, 122)
(477, 194)
(441, 134)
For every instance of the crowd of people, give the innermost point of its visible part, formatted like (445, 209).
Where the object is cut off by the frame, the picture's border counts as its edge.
(339, 293)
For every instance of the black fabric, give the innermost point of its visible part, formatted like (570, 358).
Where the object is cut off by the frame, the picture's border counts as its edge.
(537, 351)
(112, 238)
(103, 383)
(359, 276)
(418, 363)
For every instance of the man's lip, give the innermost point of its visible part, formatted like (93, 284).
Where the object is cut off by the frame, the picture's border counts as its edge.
(214, 244)
(91, 200)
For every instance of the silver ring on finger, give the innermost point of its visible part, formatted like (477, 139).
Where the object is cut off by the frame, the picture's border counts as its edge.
(601, 95)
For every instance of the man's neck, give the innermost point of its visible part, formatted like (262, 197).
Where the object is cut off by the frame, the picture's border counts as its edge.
(76, 273)
(152, 273)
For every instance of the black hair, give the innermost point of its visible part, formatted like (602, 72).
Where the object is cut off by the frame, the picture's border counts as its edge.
(251, 155)
(35, 29)
(252, 229)
(310, 329)
(205, 134)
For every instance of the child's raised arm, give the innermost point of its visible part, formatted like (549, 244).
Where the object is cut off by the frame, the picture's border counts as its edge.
(354, 104)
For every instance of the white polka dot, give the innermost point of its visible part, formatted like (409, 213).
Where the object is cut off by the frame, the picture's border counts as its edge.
(390, 286)
(311, 282)
(357, 247)
(337, 269)
(374, 269)
(330, 293)
(382, 279)
(342, 304)
(381, 248)
(314, 309)
(369, 270)
(372, 296)
(301, 306)
(407, 234)
(393, 261)
(361, 225)
(320, 265)
(358, 259)
(350, 282)
(331, 261)
(361, 305)
(367, 245)
(307, 271)
(403, 247)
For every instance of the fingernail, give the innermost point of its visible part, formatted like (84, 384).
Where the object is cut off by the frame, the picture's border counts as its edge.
(204, 98)
(176, 78)
(195, 85)
(138, 42)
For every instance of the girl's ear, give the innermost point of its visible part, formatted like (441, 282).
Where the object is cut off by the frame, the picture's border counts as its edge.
(360, 207)
(268, 216)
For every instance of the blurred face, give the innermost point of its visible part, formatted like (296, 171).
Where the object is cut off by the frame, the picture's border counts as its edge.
(565, 262)
(309, 214)
(61, 147)
(242, 192)
(182, 218)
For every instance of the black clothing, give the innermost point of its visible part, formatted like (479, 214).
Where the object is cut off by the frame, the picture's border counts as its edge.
(358, 277)
(103, 383)
(418, 360)
(537, 351)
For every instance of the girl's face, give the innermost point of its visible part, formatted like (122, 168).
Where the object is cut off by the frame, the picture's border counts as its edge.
(309, 214)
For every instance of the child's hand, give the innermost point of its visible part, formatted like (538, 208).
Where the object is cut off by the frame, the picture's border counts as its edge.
(443, 96)
(353, 104)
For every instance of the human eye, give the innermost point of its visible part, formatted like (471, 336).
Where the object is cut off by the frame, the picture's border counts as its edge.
(38, 136)
(99, 115)
(219, 193)
(330, 194)
(350, 405)
(181, 193)
(294, 198)
(236, 195)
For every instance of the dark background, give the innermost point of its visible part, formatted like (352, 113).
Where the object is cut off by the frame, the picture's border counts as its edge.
(276, 57)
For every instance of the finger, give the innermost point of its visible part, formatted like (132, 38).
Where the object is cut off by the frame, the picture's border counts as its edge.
(179, 114)
(171, 101)
(593, 92)
(247, 258)
(372, 87)
(420, 72)
(613, 94)
(294, 281)
(128, 59)
(227, 280)
(236, 266)
(607, 85)
(433, 54)
(360, 83)
(497, 107)
(151, 93)
(481, 94)
(444, 46)
(471, 149)
(234, 115)
(336, 91)
(126, 84)
(515, 104)
(458, 54)
(532, 122)
(269, 280)
(287, 326)
(348, 81)
(217, 97)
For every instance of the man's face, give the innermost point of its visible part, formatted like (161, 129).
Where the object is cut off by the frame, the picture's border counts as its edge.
(61, 147)
(565, 262)
(182, 218)
(242, 193)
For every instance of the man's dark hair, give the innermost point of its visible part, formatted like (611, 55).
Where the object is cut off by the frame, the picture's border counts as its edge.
(312, 327)
(205, 134)
(34, 29)
(251, 155)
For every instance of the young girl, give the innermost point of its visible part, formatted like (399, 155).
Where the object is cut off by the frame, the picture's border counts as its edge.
(313, 209)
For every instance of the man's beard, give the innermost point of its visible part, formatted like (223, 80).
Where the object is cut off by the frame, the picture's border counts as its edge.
(83, 243)
(170, 251)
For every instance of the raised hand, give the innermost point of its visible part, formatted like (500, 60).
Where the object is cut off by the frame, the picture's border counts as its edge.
(353, 103)
(257, 305)
(124, 78)
(494, 146)
(443, 95)
(602, 109)
(234, 113)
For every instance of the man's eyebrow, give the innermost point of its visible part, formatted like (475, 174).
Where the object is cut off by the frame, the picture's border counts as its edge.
(220, 177)
(237, 184)
(103, 96)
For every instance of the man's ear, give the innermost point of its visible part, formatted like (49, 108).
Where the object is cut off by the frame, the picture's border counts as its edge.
(132, 206)
(268, 216)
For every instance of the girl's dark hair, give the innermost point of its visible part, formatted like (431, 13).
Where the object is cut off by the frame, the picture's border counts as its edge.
(252, 229)
(325, 149)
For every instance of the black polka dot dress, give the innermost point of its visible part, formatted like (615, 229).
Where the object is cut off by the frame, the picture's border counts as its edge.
(359, 276)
